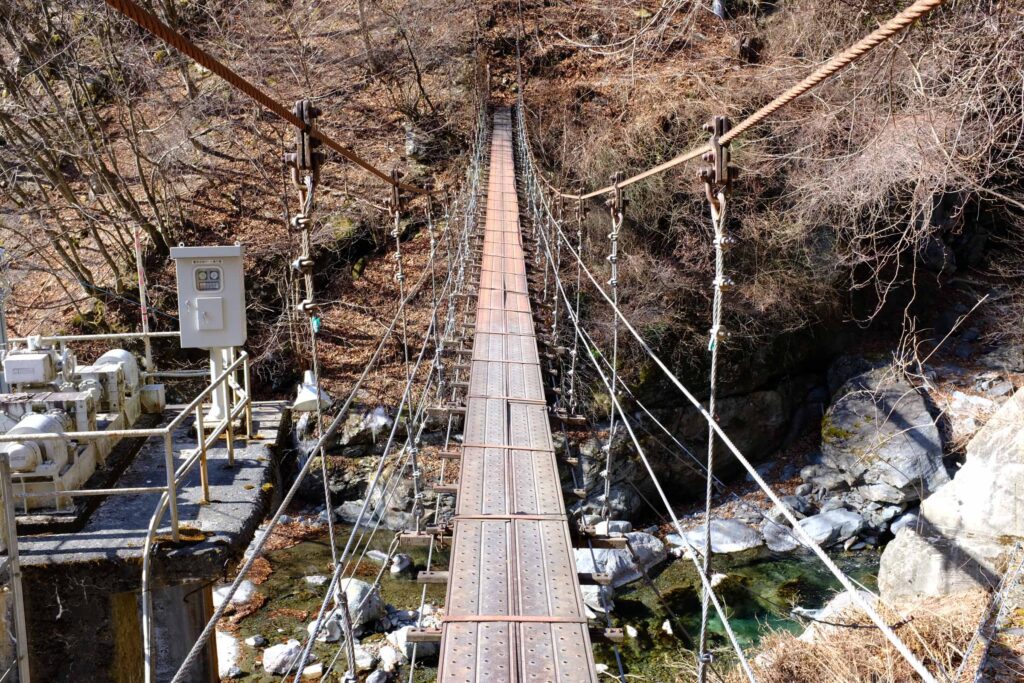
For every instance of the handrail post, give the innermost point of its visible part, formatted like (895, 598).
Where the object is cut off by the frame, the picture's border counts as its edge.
(11, 538)
(230, 435)
(140, 268)
(204, 475)
(248, 398)
(232, 396)
(172, 488)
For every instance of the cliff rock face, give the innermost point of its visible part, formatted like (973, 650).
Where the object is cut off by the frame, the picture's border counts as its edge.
(967, 527)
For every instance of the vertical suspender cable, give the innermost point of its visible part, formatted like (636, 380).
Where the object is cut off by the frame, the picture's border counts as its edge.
(716, 335)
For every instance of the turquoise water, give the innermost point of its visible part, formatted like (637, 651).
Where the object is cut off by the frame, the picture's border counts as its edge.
(757, 595)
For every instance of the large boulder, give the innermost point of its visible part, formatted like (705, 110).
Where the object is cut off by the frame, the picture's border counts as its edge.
(365, 605)
(727, 536)
(987, 495)
(620, 564)
(779, 537)
(923, 562)
(880, 439)
(832, 527)
(967, 527)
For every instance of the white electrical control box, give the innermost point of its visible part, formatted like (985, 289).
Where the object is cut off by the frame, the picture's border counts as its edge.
(211, 296)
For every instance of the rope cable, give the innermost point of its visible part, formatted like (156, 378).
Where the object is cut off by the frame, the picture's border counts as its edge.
(830, 68)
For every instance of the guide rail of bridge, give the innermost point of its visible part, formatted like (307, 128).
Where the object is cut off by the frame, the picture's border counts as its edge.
(514, 609)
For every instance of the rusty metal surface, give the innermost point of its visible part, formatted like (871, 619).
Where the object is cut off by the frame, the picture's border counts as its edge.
(513, 591)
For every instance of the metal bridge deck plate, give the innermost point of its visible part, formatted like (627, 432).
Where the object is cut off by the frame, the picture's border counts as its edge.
(502, 564)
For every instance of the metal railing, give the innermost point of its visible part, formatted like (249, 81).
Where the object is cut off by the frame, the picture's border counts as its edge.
(13, 566)
(239, 404)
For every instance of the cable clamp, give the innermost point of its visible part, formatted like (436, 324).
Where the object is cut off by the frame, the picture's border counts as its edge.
(725, 242)
(303, 264)
(717, 334)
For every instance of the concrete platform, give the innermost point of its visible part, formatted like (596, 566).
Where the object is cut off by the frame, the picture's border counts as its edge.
(81, 588)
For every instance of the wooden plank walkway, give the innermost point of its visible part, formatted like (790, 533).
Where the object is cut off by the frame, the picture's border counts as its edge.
(514, 611)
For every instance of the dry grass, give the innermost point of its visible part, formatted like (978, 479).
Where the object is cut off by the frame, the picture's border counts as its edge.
(937, 630)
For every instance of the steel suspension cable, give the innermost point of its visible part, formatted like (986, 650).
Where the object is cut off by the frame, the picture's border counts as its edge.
(784, 509)
(207, 632)
(410, 449)
(149, 22)
(334, 583)
(717, 335)
(705, 580)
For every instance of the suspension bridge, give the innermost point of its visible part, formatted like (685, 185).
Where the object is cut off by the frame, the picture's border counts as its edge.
(514, 609)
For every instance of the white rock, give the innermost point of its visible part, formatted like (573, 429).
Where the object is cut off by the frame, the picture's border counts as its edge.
(666, 627)
(364, 602)
(390, 658)
(833, 612)
(378, 676)
(400, 562)
(400, 640)
(317, 580)
(834, 526)
(907, 519)
(727, 536)
(378, 556)
(364, 659)
(631, 631)
(245, 591)
(254, 641)
(717, 579)
(330, 630)
(227, 653)
(598, 598)
(277, 659)
(313, 672)
(601, 668)
(779, 537)
(619, 563)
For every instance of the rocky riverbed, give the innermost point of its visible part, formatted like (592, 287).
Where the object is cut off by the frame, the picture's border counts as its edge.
(885, 444)
(659, 616)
